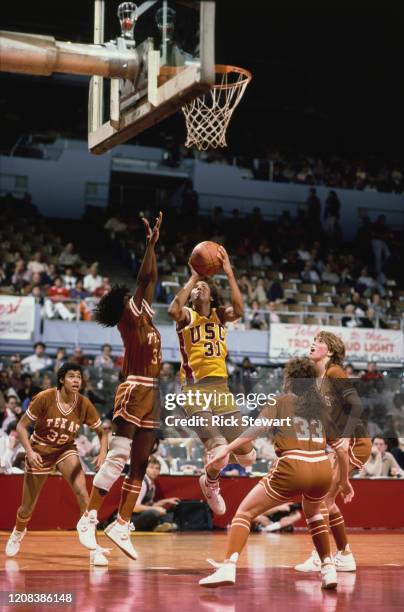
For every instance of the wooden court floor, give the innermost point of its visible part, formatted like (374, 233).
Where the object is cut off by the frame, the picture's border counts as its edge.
(165, 577)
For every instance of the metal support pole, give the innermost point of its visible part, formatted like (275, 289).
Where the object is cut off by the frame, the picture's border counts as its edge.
(97, 81)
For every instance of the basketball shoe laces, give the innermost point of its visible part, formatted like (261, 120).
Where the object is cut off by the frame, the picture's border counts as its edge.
(131, 527)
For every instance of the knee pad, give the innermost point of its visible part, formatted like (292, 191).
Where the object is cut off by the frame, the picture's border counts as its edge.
(248, 459)
(111, 469)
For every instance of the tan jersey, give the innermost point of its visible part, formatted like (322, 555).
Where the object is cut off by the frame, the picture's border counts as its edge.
(341, 400)
(141, 340)
(295, 432)
(56, 426)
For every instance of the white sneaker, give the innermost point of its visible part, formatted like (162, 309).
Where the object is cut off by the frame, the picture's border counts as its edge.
(225, 574)
(344, 562)
(14, 542)
(120, 534)
(212, 495)
(312, 564)
(86, 528)
(329, 578)
(97, 556)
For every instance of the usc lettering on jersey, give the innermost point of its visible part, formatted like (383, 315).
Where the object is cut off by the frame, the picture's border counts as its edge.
(203, 347)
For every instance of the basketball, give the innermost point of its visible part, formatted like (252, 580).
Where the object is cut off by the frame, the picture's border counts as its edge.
(204, 258)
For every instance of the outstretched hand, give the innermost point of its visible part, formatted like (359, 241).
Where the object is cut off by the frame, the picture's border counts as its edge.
(153, 234)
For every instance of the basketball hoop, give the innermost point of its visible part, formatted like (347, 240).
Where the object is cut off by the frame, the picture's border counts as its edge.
(208, 116)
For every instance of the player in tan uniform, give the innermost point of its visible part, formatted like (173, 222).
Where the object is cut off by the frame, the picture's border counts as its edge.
(56, 415)
(301, 468)
(345, 411)
(136, 409)
(201, 329)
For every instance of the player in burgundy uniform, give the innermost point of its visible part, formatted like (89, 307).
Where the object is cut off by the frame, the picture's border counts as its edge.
(57, 415)
(136, 408)
(301, 468)
(345, 410)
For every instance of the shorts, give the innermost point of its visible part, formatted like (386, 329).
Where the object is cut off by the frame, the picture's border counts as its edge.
(137, 401)
(210, 395)
(359, 452)
(296, 472)
(51, 459)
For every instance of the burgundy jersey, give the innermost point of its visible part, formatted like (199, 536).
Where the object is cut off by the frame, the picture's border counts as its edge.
(55, 424)
(141, 340)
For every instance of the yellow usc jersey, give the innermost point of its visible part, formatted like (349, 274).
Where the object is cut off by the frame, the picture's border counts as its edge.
(203, 347)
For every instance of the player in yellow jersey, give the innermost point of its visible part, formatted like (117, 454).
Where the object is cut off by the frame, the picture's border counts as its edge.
(202, 339)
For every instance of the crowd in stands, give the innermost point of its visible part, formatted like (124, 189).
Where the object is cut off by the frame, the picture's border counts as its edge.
(180, 452)
(334, 171)
(292, 269)
(35, 262)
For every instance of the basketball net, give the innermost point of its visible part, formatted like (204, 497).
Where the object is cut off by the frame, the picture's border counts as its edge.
(208, 116)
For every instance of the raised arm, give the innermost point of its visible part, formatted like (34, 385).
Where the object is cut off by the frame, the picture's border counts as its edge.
(236, 310)
(147, 275)
(176, 309)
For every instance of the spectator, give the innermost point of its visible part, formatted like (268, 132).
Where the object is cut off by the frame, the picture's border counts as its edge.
(359, 306)
(258, 293)
(92, 280)
(38, 361)
(36, 264)
(28, 391)
(16, 373)
(150, 515)
(13, 411)
(234, 469)
(329, 275)
(104, 360)
(68, 258)
(365, 281)
(69, 280)
(273, 316)
(372, 373)
(303, 253)
(381, 251)
(349, 369)
(255, 317)
(58, 292)
(350, 320)
(309, 274)
(331, 214)
(104, 288)
(275, 292)
(21, 276)
(12, 449)
(313, 213)
(397, 450)
(381, 463)
(376, 303)
(60, 358)
(78, 292)
(78, 357)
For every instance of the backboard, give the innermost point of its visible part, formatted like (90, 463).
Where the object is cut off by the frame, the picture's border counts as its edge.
(173, 42)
